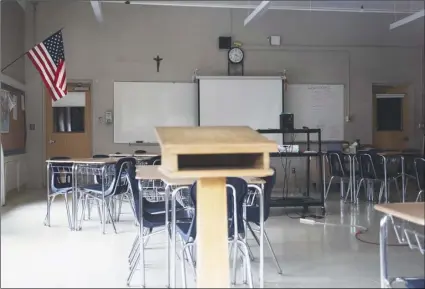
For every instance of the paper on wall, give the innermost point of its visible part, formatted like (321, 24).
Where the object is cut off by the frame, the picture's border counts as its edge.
(22, 102)
(15, 107)
(11, 102)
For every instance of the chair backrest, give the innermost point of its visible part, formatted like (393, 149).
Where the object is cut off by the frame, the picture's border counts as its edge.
(60, 158)
(420, 172)
(336, 164)
(240, 191)
(154, 161)
(61, 173)
(100, 156)
(253, 211)
(367, 165)
(139, 151)
(119, 184)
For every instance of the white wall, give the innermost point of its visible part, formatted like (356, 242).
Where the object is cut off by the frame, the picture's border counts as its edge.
(13, 39)
(353, 49)
(13, 168)
(15, 172)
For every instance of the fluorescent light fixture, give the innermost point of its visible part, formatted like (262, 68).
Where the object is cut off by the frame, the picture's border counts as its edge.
(97, 10)
(390, 95)
(258, 11)
(407, 19)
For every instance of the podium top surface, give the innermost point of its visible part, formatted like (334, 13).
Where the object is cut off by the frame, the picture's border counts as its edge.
(213, 139)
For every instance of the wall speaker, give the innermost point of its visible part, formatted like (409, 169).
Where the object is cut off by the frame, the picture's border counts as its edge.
(287, 122)
(224, 42)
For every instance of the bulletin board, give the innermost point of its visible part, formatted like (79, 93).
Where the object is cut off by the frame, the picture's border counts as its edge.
(12, 120)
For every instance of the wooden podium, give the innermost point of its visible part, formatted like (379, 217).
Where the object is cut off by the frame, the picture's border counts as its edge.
(211, 154)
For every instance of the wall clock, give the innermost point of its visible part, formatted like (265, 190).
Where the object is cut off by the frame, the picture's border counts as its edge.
(235, 61)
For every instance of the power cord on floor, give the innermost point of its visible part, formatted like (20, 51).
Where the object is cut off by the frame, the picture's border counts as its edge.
(360, 230)
(303, 216)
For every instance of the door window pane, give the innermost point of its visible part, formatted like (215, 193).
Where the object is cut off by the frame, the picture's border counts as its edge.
(68, 113)
(389, 113)
(68, 119)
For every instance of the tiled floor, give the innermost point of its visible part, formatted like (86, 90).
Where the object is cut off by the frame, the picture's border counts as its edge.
(311, 256)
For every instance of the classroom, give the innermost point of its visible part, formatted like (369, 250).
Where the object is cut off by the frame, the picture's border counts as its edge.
(212, 144)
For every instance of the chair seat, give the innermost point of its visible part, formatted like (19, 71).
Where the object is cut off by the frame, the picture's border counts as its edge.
(94, 189)
(59, 191)
(157, 207)
(414, 283)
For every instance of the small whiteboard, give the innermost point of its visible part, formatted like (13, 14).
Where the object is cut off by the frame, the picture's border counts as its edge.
(139, 107)
(317, 106)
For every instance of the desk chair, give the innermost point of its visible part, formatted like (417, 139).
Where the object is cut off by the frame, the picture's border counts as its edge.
(372, 168)
(97, 180)
(420, 176)
(237, 190)
(154, 189)
(112, 187)
(152, 219)
(60, 184)
(337, 169)
(253, 215)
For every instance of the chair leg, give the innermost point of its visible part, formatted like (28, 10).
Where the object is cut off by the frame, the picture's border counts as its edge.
(235, 256)
(120, 207)
(111, 216)
(419, 197)
(251, 255)
(183, 267)
(83, 209)
(329, 186)
(358, 188)
(132, 270)
(133, 247)
(67, 211)
(47, 218)
(248, 262)
(89, 205)
(253, 234)
(99, 211)
(279, 269)
(381, 191)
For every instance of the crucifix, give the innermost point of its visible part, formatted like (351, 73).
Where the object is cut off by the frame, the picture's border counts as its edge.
(158, 62)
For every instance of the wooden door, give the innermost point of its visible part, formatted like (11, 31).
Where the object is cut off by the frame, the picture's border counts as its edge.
(69, 124)
(390, 118)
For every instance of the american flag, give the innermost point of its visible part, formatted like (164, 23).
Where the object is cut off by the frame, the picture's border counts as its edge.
(49, 59)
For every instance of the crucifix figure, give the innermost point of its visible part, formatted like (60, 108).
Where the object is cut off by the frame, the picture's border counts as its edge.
(158, 62)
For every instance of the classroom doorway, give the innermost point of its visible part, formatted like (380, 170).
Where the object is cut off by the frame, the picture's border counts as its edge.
(390, 117)
(68, 123)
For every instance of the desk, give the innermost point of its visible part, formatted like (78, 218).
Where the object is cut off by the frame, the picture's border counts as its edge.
(154, 173)
(133, 155)
(74, 163)
(410, 212)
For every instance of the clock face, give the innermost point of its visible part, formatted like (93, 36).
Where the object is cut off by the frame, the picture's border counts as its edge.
(235, 55)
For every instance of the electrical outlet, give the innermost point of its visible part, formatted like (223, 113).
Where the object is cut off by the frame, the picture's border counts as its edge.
(293, 170)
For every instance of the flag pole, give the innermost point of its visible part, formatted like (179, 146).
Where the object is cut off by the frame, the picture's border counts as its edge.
(23, 54)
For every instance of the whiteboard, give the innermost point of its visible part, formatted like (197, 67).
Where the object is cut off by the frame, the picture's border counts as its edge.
(250, 101)
(317, 106)
(141, 106)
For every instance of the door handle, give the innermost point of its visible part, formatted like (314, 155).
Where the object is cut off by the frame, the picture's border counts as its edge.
(52, 141)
